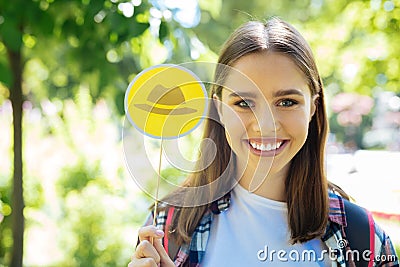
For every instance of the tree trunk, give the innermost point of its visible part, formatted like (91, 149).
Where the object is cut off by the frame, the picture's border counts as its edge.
(17, 195)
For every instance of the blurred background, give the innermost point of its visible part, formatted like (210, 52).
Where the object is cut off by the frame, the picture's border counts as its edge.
(66, 196)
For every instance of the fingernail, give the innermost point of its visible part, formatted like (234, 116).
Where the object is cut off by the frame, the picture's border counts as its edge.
(159, 233)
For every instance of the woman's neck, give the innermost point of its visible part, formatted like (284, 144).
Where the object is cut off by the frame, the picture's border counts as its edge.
(271, 186)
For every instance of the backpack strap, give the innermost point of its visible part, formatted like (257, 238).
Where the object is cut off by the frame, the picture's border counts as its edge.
(170, 247)
(360, 233)
(371, 238)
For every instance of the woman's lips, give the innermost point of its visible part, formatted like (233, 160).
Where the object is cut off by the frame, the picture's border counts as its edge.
(267, 147)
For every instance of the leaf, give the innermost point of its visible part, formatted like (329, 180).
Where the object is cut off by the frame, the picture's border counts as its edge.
(5, 75)
(38, 20)
(46, 23)
(119, 102)
(163, 33)
(11, 35)
(118, 23)
(138, 29)
(69, 27)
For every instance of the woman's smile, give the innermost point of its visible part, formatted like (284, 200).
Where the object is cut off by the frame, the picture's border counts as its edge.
(266, 147)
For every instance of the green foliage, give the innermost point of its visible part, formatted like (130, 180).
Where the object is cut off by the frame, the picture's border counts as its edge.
(5, 223)
(164, 31)
(81, 206)
(5, 74)
(398, 249)
(95, 235)
(11, 34)
(76, 178)
(34, 197)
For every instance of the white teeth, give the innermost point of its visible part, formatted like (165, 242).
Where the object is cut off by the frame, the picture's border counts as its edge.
(278, 145)
(266, 147)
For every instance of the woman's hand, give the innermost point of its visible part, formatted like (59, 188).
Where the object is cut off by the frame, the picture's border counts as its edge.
(148, 254)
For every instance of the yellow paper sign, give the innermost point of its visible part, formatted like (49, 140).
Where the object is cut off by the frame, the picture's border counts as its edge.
(166, 101)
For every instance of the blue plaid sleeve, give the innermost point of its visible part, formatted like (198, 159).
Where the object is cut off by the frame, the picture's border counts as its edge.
(384, 249)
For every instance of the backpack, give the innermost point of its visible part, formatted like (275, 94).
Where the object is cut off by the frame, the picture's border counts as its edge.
(359, 222)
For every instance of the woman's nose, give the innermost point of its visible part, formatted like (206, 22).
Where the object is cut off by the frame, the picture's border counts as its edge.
(264, 122)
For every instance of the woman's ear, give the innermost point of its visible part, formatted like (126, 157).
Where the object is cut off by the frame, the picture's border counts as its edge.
(314, 104)
(218, 106)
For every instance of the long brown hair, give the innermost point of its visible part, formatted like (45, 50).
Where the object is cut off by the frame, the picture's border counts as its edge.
(306, 184)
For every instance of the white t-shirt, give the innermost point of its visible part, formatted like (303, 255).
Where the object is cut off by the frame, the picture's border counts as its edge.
(254, 232)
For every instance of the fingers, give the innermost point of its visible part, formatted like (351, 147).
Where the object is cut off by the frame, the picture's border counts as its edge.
(145, 256)
(143, 263)
(149, 232)
(146, 250)
(150, 251)
(165, 260)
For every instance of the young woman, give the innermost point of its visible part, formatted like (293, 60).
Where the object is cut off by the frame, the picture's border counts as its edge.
(268, 122)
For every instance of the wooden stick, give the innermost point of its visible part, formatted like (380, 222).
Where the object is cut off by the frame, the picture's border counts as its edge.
(158, 186)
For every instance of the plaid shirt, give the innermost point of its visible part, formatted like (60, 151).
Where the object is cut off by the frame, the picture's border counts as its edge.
(192, 254)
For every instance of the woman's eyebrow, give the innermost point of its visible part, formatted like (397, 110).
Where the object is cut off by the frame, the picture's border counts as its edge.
(280, 93)
(242, 94)
(286, 92)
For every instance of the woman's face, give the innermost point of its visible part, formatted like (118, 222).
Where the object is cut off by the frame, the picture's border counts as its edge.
(266, 106)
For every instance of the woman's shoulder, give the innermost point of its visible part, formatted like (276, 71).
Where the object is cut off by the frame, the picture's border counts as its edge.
(345, 212)
(337, 211)
(165, 212)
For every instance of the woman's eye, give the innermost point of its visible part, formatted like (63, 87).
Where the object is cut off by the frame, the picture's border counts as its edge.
(244, 104)
(287, 103)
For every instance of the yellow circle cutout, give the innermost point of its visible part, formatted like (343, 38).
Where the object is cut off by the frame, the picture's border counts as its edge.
(166, 101)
